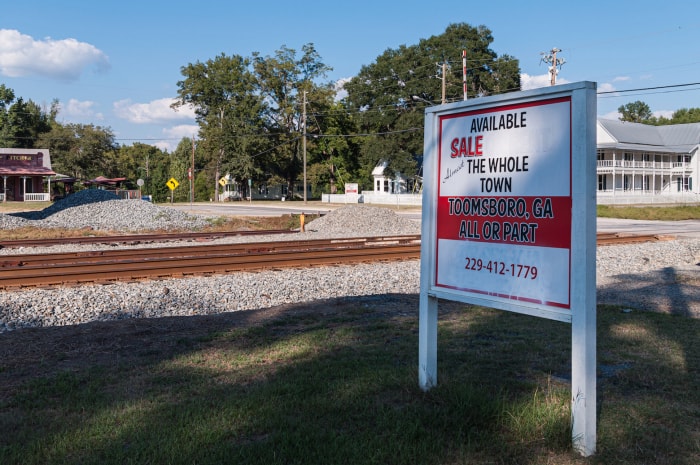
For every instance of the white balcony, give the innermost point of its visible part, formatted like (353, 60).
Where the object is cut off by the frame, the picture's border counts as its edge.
(610, 165)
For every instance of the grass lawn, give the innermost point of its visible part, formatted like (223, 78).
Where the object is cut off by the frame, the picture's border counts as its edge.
(335, 382)
(675, 213)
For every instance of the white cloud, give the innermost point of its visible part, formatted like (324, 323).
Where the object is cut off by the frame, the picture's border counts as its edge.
(606, 87)
(663, 113)
(77, 110)
(340, 92)
(164, 145)
(21, 55)
(175, 134)
(151, 112)
(528, 82)
(181, 131)
(621, 78)
(612, 115)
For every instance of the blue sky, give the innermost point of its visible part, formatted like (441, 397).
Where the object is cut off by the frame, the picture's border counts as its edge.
(116, 64)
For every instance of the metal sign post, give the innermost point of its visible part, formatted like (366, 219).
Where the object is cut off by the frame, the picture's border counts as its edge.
(509, 221)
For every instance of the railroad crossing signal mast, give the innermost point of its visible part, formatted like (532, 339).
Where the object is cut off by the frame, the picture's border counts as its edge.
(554, 62)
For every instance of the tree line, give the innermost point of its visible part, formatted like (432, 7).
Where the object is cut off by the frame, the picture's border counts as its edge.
(260, 116)
(640, 112)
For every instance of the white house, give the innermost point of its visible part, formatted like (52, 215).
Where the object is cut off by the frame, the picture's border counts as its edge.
(639, 163)
(386, 182)
(636, 164)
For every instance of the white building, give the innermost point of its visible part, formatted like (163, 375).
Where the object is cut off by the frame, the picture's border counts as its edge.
(636, 164)
(386, 182)
(639, 163)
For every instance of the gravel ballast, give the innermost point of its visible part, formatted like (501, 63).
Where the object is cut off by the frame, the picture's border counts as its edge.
(101, 210)
(657, 276)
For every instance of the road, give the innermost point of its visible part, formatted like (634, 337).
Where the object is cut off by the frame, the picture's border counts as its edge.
(244, 208)
(687, 228)
(275, 208)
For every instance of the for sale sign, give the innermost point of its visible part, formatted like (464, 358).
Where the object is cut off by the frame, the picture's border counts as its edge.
(508, 222)
(504, 202)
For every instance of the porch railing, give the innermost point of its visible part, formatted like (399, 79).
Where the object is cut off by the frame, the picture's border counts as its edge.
(37, 197)
(654, 165)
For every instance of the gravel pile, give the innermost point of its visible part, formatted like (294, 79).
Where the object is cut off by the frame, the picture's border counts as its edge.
(661, 276)
(102, 210)
(361, 220)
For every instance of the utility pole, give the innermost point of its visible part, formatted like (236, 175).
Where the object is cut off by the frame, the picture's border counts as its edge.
(191, 174)
(464, 73)
(554, 62)
(303, 122)
(444, 76)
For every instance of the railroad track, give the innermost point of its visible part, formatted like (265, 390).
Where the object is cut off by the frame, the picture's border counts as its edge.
(620, 239)
(602, 238)
(41, 270)
(103, 266)
(136, 238)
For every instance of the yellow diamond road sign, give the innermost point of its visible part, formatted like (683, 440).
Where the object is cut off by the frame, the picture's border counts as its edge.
(172, 183)
(222, 181)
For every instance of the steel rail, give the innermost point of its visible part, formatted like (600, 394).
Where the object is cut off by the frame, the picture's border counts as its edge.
(602, 238)
(137, 238)
(26, 261)
(620, 239)
(144, 263)
(167, 266)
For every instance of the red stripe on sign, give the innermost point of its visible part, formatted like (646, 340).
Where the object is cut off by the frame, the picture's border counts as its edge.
(528, 220)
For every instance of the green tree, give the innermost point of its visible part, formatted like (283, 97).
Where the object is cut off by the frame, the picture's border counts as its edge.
(23, 122)
(7, 96)
(682, 116)
(82, 151)
(180, 163)
(332, 159)
(222, 92)
(137, 162)
(389, 96)
(287, 82)
(636, 112)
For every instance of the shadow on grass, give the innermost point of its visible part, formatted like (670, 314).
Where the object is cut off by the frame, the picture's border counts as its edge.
(649, 370)
(330, 382)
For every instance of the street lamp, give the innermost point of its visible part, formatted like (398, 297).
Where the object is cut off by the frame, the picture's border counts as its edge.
(417, 98)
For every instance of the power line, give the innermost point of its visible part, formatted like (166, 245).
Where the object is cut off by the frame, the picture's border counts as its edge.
(393, 107)
(671, 86)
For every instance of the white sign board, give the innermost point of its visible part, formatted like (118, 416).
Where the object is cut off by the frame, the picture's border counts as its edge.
(503, 230)
(509, 220)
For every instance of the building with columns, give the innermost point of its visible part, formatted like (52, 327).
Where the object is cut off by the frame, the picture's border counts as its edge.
(640, 163)
(22, 174)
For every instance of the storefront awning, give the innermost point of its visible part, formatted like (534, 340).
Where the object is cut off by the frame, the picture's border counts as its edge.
(25, 171)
